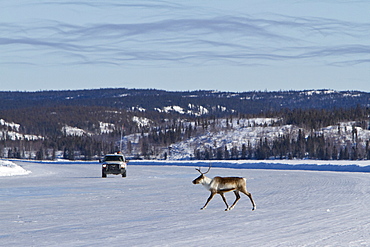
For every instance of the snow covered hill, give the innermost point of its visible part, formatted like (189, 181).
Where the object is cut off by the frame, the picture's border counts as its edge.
(157, 205)
(157, 124)
(231, 134)
(234, 134)
(194, 103)
(10, 131)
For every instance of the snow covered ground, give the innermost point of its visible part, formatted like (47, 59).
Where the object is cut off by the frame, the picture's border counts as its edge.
(157, 205)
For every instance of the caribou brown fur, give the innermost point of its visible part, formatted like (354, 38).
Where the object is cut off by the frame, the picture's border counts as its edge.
(221, 185)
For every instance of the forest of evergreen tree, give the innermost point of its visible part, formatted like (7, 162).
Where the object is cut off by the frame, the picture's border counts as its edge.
(154, 141)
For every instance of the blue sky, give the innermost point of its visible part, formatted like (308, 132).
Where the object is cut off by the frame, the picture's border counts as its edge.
(185, 45)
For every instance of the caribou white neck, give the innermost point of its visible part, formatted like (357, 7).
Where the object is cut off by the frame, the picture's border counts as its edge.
(206, 182)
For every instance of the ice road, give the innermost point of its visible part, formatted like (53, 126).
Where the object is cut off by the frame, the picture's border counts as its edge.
(71, 205)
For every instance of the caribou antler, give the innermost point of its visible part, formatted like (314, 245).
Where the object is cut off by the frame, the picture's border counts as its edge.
(198, 169)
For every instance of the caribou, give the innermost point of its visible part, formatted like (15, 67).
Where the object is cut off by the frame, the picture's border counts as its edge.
(221, 185)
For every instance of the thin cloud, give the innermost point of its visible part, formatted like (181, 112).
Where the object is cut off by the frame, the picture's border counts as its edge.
(173, 41)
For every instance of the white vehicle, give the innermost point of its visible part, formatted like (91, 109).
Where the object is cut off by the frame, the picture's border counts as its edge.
(114, 164)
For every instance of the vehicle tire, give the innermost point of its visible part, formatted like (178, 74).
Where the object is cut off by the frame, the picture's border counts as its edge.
(124, 173)
(103, 173)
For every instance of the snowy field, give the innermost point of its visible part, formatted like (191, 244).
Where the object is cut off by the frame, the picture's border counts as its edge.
(157, 205)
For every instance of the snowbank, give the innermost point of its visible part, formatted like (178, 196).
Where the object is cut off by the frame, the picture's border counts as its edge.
(8, 168)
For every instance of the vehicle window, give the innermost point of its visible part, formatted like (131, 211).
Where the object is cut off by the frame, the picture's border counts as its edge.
(113, 158)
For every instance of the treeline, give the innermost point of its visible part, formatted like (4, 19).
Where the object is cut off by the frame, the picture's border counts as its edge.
(343, 143)
(42, 132)
(311, 147)
(313, 119)
(152, 138)
(217, 103)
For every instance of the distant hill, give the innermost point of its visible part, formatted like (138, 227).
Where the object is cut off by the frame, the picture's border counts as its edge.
(84, 124)
(192, 103)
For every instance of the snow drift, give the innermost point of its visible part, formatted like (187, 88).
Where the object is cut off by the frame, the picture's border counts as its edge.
(8, 168)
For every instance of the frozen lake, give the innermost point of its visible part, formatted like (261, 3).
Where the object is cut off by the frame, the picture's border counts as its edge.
(157, 205)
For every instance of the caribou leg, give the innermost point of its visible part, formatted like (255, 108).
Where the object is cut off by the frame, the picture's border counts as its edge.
(250, 197)
(237, 195)
(208, 200)
(223, 198)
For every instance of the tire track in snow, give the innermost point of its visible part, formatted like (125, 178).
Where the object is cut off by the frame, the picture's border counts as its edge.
(158, 205)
